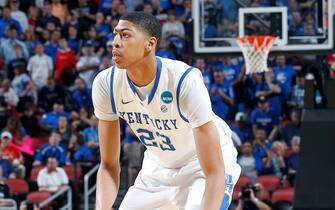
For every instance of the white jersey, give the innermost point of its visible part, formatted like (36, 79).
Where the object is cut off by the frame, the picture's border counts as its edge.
(177, 103)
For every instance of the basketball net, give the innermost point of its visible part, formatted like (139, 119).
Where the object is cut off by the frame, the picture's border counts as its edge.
(255, 51)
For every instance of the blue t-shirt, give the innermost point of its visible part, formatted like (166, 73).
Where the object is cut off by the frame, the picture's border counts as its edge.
(51, 50)
(83, 153)
(105, 6)
(6, 167)
(73, 44)
(82, 98)
(91, 134)
(51, 119)
(231, 72)
(166, 54)
(48, 150)
(285, 76)
(264, 120)
(220, 107)
(245, 132)
(208, 78)
(274, 99)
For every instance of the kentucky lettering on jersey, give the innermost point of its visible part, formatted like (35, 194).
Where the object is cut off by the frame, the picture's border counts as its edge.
(139, 118)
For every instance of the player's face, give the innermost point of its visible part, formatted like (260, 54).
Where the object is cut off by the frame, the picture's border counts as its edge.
(129, 44)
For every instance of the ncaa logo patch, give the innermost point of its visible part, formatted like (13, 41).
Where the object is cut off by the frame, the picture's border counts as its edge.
(167, 97)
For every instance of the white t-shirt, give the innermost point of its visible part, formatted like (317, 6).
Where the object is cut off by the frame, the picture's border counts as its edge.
(177, 103)
(21, 18)
(87, 76)
(52, 180)
(39, 66)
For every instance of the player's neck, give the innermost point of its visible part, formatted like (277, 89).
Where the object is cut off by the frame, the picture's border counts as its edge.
(143, 72)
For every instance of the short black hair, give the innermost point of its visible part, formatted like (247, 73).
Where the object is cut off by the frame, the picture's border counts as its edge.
(146, 21)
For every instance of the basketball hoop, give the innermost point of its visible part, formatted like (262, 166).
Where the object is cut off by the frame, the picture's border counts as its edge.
(255, 51)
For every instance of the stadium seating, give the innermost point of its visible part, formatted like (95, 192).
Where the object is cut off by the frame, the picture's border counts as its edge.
(270, 182)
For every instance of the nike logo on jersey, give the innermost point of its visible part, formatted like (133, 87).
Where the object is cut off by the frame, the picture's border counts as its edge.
(126, 102)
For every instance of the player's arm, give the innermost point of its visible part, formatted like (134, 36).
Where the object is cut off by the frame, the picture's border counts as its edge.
(210, 157)
(108, 178)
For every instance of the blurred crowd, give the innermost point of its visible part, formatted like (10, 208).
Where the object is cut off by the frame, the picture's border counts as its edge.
(50, 52)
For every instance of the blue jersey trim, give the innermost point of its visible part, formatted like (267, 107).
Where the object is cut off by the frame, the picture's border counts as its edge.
(158, 75)
(178, 92)
(112, 90)
(132, 87)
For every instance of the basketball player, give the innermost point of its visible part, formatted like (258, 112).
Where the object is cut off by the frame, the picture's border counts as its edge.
(190, 162)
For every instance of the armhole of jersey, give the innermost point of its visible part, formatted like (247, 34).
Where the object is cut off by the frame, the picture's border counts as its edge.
(178, 92)
(112, 90)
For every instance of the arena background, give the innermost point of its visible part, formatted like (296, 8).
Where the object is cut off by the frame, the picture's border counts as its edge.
(50, 52)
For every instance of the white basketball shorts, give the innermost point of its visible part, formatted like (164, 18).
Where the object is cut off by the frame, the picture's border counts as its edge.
(160, 188)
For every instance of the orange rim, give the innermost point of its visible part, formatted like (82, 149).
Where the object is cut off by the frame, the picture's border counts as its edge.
(259, 42)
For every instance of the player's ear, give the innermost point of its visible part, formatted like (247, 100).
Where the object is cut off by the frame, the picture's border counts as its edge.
(151, 44)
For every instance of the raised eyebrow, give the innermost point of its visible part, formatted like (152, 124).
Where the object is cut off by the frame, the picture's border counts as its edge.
(121, 30)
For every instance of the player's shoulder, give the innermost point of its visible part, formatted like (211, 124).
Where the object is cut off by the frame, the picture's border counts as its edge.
(178, 68)
(102, 79)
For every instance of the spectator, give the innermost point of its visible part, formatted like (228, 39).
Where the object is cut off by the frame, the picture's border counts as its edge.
(52, 149)
(81, 95)
(222, 96)
(164, 51)
(272, 90)
(186, 14)
(230, 70)
(284, 75)
(18, 60)
(40, 67)
(7, 21)
(49, 120)
(85, 15)
(105, 6)
(251, 165)
(101, 27)
(30, 122)
(11, 152)
(59, 10)
(88, 63)
(206, 74)
(49, 94)
(52, 178)
(292, 128)
(276, 163)
(77, 150)
(14, 126)
(64, 130)
(32, 17)
(65, 58)
(261, 145)
(296, 27)
(46, 20)
(6, 169)
(97, 42)
(91, 135)
(263, 117)
(134, 152)
(51, 47)
(298, 93)
(18, 15)
(23, 87)
(242, 127)
(292, 160)
(73, 40)
(105, 64)
(7, 46)
(255, 201)
(173, 27)
(9, 94)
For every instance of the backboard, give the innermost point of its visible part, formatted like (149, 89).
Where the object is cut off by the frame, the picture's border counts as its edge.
(303, 26)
